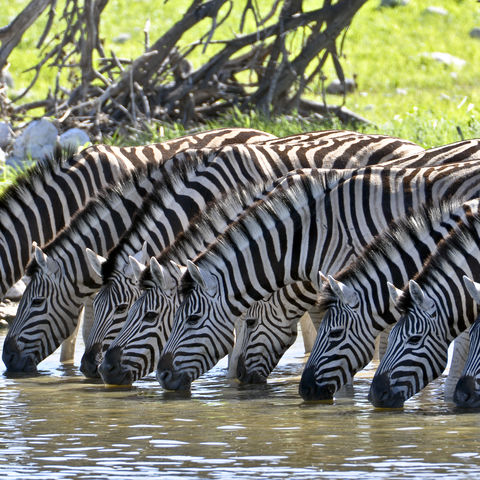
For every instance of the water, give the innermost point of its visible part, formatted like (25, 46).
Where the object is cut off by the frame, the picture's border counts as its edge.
(57, 425)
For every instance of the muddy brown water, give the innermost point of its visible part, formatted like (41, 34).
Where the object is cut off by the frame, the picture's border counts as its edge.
(58, 425)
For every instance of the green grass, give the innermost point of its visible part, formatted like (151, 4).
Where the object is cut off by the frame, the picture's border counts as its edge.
(402, 92)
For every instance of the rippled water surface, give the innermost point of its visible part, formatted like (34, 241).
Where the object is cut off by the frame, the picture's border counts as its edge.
(57, 425)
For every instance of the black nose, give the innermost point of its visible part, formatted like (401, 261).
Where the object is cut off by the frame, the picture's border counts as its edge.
(310, 390)
(466, 394)
(381, 393)
(91, 359)
(111, 369)
(15, 360)
(245, 376)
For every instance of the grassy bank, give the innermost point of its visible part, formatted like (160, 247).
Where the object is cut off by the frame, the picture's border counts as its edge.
(401, 90)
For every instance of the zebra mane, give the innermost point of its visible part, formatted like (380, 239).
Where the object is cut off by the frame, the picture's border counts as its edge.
(460, 240)
(385, 244)
(34, 177)
(172, 180)
(92, 211)
(212, 219)
(292, 189)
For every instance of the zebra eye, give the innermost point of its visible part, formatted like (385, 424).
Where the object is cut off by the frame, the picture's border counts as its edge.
(336, 333)
(37, 301)
(193, 319)
(251, 322)
(414, 339)
(121, 308)
(150, 316)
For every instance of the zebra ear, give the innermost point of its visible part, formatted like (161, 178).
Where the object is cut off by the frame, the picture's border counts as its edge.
(345, 293)
(136, 268)
(96, 261)
(321, 280)
(161, 276)
(205, 280)
(142, 257)
(473, 288)
(394, 292)
(44, 261)
(422, 300)
(179, 269)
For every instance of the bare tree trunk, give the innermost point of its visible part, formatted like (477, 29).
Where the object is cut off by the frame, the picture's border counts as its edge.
(259, 70)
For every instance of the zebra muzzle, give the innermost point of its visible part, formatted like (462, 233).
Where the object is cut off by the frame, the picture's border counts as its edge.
(15, 360)
(467, 394)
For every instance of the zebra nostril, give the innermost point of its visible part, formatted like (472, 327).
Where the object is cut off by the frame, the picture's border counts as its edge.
(164, 377)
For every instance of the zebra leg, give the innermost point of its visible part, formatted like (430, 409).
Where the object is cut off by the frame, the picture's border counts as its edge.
(88, 318)
(461, 346)
(67, 351)
(309, 332)
(381, 344)
(240, 332)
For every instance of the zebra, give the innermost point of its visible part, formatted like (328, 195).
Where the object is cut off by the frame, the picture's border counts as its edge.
(249, 169)
(299, 229)
(121, 291)
(45, 197)
(43, 200)
(336, 149)
(270, 327)
(436, 308)
(355, 302)
(467, 393)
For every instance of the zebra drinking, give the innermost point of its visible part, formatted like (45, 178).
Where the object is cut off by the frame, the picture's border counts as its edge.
(436, 307)
(356, 304)
(335, 149)
(288, 237)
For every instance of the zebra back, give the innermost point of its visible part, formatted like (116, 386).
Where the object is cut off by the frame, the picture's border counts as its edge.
(255, 256)
(328, 149)
(43, 200)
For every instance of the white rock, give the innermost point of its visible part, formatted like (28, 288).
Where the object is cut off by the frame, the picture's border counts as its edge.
(73, 138)
(393, 3)
(436, 10)
(122, 38)
(36, 142)
(446, 58)
(2, 157)
(475, 32)
(336, 87)
(6, 134)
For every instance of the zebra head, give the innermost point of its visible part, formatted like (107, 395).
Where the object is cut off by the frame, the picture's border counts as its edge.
(136, 350)
(202, 333)
(467, 390)
(417, 351)
(38, 329)
(110, 308)
(344, 342)
(267, 331)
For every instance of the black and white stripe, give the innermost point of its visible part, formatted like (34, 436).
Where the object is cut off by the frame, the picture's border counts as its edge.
(339, 149)
(270, 326)
(227, 169)
(436, 308)
(44, 199)
(313, 221)
(356, 304)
